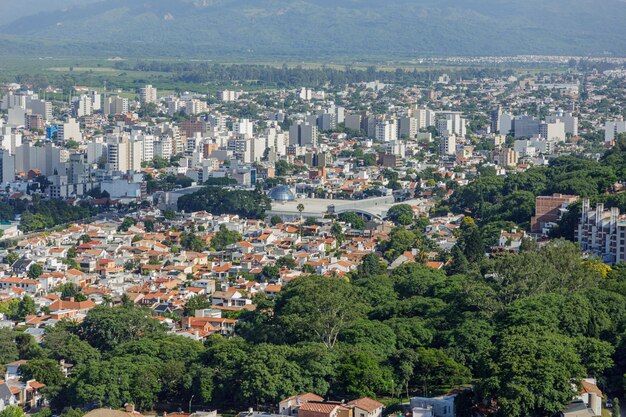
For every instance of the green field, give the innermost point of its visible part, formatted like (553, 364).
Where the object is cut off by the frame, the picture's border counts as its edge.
(93, 73)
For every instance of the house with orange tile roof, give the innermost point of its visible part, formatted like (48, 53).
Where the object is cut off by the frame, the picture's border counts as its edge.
(366, 407)
(289, 406)
(320, 409)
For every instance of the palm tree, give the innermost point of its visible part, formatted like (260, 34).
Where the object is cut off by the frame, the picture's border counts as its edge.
(300, 209)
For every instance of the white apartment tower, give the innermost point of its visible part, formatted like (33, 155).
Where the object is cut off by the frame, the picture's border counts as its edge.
(148, 94)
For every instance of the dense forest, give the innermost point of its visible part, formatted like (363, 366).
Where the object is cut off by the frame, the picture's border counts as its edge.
(518, 328)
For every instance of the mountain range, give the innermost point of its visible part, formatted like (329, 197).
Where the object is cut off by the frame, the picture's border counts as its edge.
(312, 28)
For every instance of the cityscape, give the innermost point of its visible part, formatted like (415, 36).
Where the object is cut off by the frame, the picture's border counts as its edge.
(189, 233)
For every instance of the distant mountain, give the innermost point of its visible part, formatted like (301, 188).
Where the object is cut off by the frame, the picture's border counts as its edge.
(318, 28)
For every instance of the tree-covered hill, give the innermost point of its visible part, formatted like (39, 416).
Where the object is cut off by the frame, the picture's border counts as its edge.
(322, 28)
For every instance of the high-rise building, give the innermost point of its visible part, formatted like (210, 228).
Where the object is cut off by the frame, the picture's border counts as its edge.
(447, 146)
(69, 130)
(553, 131)
(613, 128)
(243, 127)
(505, 157)
(602, 233)
(353, 121)
(303, 134)
(525, 126)
(451, 123)
(7, 167)
(386, 130)
(82, 106)
(123, 153)
(115, 105)
(495, 119)
(148, 94)
(408, 127)
(570, 121)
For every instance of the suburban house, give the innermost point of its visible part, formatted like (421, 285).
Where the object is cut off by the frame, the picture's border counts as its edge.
(588, 403)
(289, 406)
(366, 407)
(316, 409)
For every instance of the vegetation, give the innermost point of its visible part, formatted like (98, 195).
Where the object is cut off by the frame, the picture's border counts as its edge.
(507, 202)
(215, 200)
(520, 327)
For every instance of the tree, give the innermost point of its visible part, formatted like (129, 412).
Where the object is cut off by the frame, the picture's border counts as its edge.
(315, 308)
(25, 307)
(433, 367)
(27, 347)
(533, 372)
(458, 263)
(360, 375)
(191, 242)
(371, 265)
(224, 238)
(270, 272)
(276, 220)
(471, 241)
(400, 241)
(12, 411)
(286, 262)
(216, 200)
(401, 214)
(337, 231)
(67, 346)
(8, 348)
(106, 327)
(35, 271)
(353, 220)
(197, 302)
(46, 371)
(11, 258)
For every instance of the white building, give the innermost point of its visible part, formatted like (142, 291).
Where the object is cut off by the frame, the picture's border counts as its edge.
(69, 130)
(243, 127)
(553, 131)
(148, 94)
(115, 105)
(613, 128)
(451, 123)
(447, 146)
(433, 407)
(386, 130)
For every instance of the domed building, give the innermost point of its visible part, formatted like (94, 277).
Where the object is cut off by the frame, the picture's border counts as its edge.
(281, 193)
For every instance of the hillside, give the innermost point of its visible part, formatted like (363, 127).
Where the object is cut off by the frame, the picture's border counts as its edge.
(321, 27)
